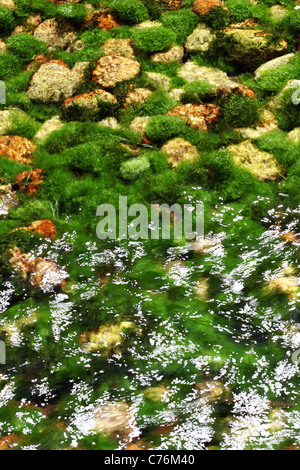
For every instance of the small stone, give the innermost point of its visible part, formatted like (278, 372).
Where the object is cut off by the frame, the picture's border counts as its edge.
(201, 289)
(53, 124)
(17, 148)
(89, 105)
(111, 70)
(285, 282)
(278, 99)
(197, 116)
(46, 228)
(278, 11)
(294, 135)
(180, 150)
(3, 47)
(118, 47)
(156, 393)
(53, 82)
(262, 165)
(105, 20)
(160, 80)
(212, 391)
(136, 96)
(106, 338)
(273, 64)
(8, 200)
(148, 24)
(176, 93)
(200, 39)
(109, 122)
(176, 53)
(30, 181)
(204, 6)
(58, 34)
(116, 420)
(139, 124)
(8, 3)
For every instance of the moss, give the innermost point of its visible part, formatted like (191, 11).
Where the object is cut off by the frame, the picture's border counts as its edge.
(216, 18)
(276, 143)
(25, 46)
(132, 169)
(195, 91)
(239, 9)
(10, 66)
(288, 116)
(28, 8)
(292, 22)
(274, 80)
(24, 125)
(73, 12)
(161, 128)
(7, 21)
(153, 39)
(132, 11)
(181, 22)
(240, 111)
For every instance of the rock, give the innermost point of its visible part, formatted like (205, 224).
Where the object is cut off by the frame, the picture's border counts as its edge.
(39, 272)
(58, 34)
(179, 150)
(139, 124)
(285, 282)
(116, 420)
(294, 135)
(262, 165)
(203, 6)
(156, 393)
(148, 24)
(136, 96)
(201, 289)
(176, 93)
(160, 80)
(278, 11)
(8, 200)
(176, 53)
(212, 391)
(246, 45)
(111, 70)
(267, 124)
(89, 105)
(106, 20)
(8, 3)
(81, 71)
(53, 124)
(203, 246)
(75, 46)
(118, 47)
(53, 82)
(30, 181)
(3, 47)
(46, 228)
(200, 39)
(273, 64)
(17, 148)
(107, 338)
(109, 122)
(278, 99)
(198, 116)
(29, 26)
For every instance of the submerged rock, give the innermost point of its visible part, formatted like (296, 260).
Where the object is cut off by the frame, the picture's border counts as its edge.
(8, 199)
(106, 338)
(46, 228)
(118, 47)
(89, 105)
(139, 124)
(136, 96)
(111, 70)
(180, 150)
(198, 116)
(116, 420)
(160, 80)
(204, 6)
(267, 124)
(294, 135)
(262, 165)
(286, 282)
(273, 64)
(174, 54)
(200, 39)
(17, 148)
(212, 391)
(53, 124)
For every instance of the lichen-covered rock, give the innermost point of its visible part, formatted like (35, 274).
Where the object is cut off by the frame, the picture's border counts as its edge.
(109, 122)
(246, 45)
(111, 70)
(161, 81)
(180, 150)
(118, 47)
(136, 96)
(200, 39)
(106, 338)
(89, 105)
(198, 116)
(174, 54)
(294, 135)
(17, 148)
(139, 124)
(116, 420)
(278, 11)
(263, 165)
(41, 273)
(53, 124)
(30, 181)
(106, 20)
(273, 64)
(56, 33)
(204, 6)
(53, 82)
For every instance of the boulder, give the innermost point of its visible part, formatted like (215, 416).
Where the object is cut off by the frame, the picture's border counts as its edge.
(111, 70)
(17, 148)
(198, 116)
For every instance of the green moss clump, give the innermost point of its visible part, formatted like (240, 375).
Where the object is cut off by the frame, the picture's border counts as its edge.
(7, 21)
(132, 11)
(10, 66)
(240, 111)
(288, 116)
(161, 128)
(239, 9)
(132, 169)
(292, 22)
(274, 80)
(76, 13)
(195, 91)
(153, 39)
(25, 46)
(217, 18)
(95, 37)
(181, 22)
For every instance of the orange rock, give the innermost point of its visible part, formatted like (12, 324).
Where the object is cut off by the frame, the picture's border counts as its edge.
(46, 228)
(30, 181)
(290, 237)
(173, 4)
(17, 148)
(105, 20)
(7, 442)
(203, 6)
(198, 116)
